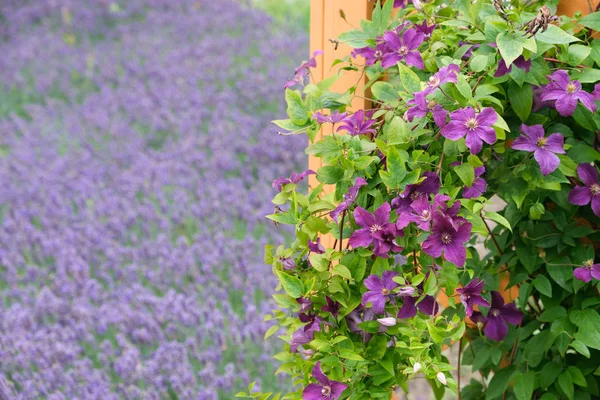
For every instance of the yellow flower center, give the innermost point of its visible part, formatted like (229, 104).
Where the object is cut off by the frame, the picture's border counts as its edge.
(403, 50)
(541, 142)
(431, 104)
(571, 88)
(471, 123)
(595, 189)
(588, 263)
(385, 291)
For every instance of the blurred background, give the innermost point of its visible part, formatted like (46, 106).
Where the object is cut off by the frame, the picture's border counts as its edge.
(136, 160)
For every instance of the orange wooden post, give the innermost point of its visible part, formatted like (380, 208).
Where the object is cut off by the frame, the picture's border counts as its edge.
(327, 23)
(570, 7)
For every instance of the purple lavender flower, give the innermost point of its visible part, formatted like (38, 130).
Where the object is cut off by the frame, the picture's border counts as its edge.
(420, 212)
(294, 178)
(588, 271)
(403, 48)
(544, 148)
(471, 294)
(326, 389)
(566, 94)
(499, 315)
(355, 124)
(332, 307)
(377, 230)
(380, 290)
(303, 69)
(349, 198)
(430, 185)
(372, 55)
(478, 187)
(477, 127)
(590, 191)
(446, 74)
(520, 62)
(421, 107)
(448, 239)
(316, 247)
(334, 118)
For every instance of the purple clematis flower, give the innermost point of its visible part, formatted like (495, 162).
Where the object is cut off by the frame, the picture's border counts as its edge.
(401, 3)
(471, 294)
(420, 212)
(596, 92)
(544, 148)
(425, 29)
(380, 290)
(409, 308)
(287, 263)
(590, 191)
(294, 178)
(355, 124)
(446, 74)
(358, 315)
(439, 203)
(349, 198)
(303, 70)
(332, 307)
(448, 238)
(588, 271)
(477, 127)
(478, 187)
(421, 107)
(316, 247)
(403, 48)
(538, 104)
(478, 319)
(304, 303)
(520, 62)
(372, 55)
(326, 389)
(333, 118)
(377, 230)
(431, 185)
(566, 93)
(499, 315)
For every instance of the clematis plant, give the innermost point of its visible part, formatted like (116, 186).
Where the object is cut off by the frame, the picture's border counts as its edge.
(460, 207)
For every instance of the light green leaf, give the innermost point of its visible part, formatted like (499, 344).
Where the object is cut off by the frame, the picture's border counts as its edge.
(296, 109)
(396, 171)
(591, 21)
(494, 216)
(578, 53)
(410, 81)
(350, 355)
(292, 285)
(581, 348)
(466, 173)
(565, 383)
(510, 46)
(521, 98)
(555, 35)
(342, 271)
(524, 385)
(384, 91)
(271, 331)
(397, 132)
(357, 38)
(463, 87)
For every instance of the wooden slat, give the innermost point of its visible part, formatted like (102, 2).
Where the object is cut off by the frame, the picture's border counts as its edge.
(326, 23)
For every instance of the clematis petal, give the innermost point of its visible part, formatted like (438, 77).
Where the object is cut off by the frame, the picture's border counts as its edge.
(548, 161)
(454, 130)
(555, 143)
(496, 328)
(337, 388)
(583, 274)
(580, 195)
(456, 253)
(587, 173)
(414, 58)
(487, 117)
(382, 214)
(312, 392)
(511, 314)
(408, 309)
(361, 238)
(363, 217)
(474, 142)
(587, 100)
(596, 205)
(566, 105)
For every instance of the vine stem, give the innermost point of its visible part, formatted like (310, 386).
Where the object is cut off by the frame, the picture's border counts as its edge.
(512, 356)
(458, 364)
(491, 234)
(342, 229)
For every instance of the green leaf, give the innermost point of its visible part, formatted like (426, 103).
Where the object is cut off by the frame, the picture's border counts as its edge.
(578, 53)
(410, 81)
(565, 383)
(357, 38)
(591, 21)
(430, 287)
(543, 285)
(555, 35)
(292, 285)
(350, 355)
(381, 16)
(577, 376)
(589, 329)
(494, 216)
(271, 331)
(296, 109)
(342, 271)
(463, 87)
(536, 211)
(499, 384)
(466, 173)
(521, 98)
(524, 385)
(330, 174)
(397, 132)
(384, 91)
(396, 171)
(319, 261)
(549, 374)
(552, 314)
(581, 348)
(510, 46)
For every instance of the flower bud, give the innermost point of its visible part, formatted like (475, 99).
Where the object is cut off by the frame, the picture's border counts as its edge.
(391, 321)
(417, 367)
(442, 378)
(406, 291)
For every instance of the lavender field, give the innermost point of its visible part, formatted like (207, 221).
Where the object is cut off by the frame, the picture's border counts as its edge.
(135, 165)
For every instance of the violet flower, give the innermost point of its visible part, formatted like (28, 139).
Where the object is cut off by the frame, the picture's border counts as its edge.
(448, 239)
(355, 124)
(356, 317)
(420, 212)
(544, 148)
(499, 315)
(294, 178)
(334, 118)
(371, 55)
(477, 127)
(446, 74)
(380, 290)
(421, 107)
(431, 185)
(303, 69)
(590, 191)
(332, 307)
(377, 230)
(478, 187)
(401, 3)
(425, 29)
(409, 308)
(403, 48)
(588, 271)
(349, 198)
(326, 389)
(471, 294)
(520, 62)
(596, 92)
(316, 247)
(304, 303)
(566, 93)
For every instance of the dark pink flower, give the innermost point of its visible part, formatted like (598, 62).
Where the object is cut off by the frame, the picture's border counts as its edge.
(544, 148)
(376, 230)
(332, 307)
(448, 238)
(588, 271)
(409, 307)
(477, 127)
(590, 191)
(325, 389)
(372, 55)
(403, 48)
(316, 247)
(499, 315)
(425, 29)
(566, 94)
(471, 294)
